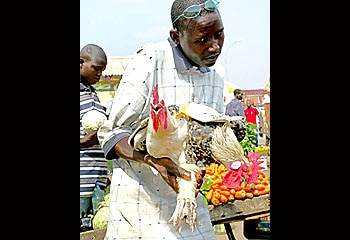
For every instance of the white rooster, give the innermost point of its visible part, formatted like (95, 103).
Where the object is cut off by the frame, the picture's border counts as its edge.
(193, 137)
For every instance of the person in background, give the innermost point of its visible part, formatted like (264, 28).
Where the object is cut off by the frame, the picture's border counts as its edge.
(266, 102)
(252, 114)
(93, 164)
(143, 200)
(235, 106)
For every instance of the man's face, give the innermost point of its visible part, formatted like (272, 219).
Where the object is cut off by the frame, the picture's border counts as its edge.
(239, 96)
(91, 71)
(203, 38)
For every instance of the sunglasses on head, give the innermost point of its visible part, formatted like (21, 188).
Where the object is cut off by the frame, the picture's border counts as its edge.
(194, 10)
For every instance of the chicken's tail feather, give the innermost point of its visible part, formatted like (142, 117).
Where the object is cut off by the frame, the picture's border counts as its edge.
(225, 147)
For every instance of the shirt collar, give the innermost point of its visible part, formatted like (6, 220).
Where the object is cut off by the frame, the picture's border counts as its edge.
(87, 88)
(181, 61)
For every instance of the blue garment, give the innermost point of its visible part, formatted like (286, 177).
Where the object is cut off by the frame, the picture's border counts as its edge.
(234, 108)
(93, 164)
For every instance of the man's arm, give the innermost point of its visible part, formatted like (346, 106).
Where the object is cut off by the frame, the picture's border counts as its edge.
(168, 169)
(89, 140)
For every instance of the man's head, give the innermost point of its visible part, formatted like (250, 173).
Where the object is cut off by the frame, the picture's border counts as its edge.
(198, 29)
(249, 103)
(238, 93)
(93, 61)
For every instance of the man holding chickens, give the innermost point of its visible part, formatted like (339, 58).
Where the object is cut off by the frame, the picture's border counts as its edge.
(144, 188)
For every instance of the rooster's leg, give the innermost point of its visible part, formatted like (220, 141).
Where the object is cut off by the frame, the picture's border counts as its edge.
(185, 210)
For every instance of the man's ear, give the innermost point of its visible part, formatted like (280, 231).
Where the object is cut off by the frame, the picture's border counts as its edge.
(81, 61)
(174, 34)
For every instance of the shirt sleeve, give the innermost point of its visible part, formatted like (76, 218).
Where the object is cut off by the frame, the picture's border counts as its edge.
(131, 102)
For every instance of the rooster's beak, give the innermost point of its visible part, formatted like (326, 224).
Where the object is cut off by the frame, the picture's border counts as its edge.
(182, 114)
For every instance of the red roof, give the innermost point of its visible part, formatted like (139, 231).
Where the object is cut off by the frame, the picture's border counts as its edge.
(254, 92)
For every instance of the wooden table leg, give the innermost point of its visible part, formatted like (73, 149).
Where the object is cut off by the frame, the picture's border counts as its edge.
(229, 232)
(238, 229)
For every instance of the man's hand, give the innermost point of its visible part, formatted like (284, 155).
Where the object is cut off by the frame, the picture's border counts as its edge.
(199, 178)
(169, 170)
(89, 140)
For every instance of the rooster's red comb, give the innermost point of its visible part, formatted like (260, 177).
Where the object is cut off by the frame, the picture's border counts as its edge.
(155, 94)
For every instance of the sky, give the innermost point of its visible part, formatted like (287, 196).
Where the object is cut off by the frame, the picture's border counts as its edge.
(120, 27)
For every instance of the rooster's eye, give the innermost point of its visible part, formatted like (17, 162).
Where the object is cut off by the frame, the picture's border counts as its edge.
(236, 164)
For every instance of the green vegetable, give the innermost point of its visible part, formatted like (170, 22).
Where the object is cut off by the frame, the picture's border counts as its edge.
(100, 220)
(248, 143)
(92, 120)
(207, 182)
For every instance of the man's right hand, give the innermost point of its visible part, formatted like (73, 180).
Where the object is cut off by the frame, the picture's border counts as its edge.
(89, 140)
(169, 170)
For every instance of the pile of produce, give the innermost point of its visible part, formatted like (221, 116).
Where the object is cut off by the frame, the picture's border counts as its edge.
(217, 193)
(261, 149)
(100, 220)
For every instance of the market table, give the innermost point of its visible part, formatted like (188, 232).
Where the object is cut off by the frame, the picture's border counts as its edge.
(238, 211)
(232, 212)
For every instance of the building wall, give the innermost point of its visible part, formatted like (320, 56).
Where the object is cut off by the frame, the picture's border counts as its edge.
(110, 79)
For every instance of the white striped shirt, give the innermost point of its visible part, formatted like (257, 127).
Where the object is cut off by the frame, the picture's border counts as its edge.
(141, 203)
(93, 164)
